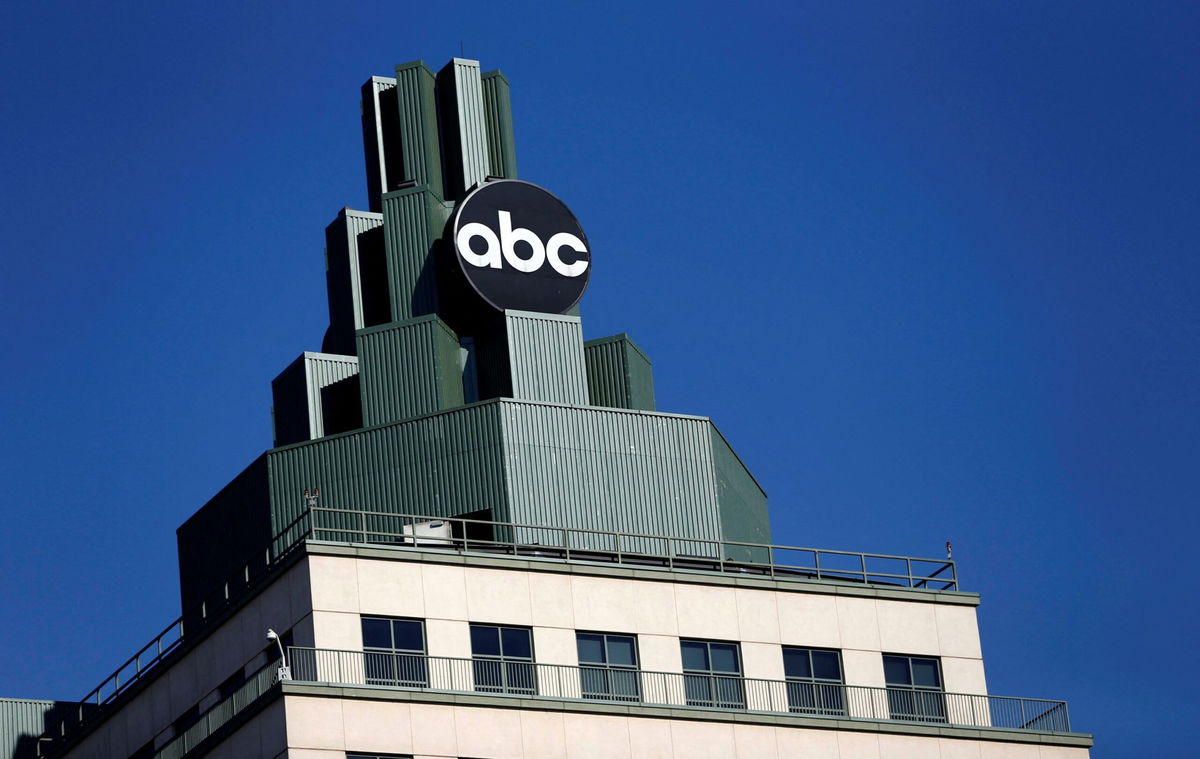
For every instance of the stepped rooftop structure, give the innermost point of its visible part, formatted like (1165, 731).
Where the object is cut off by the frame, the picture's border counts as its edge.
(476, 536)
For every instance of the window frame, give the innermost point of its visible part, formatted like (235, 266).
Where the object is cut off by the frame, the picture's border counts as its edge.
(393, 666)
(821, 696)
(503, 673)
(908, 702)
(719, 689)
(606, 681)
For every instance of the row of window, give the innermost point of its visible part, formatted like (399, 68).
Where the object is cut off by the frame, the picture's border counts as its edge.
(502, 662)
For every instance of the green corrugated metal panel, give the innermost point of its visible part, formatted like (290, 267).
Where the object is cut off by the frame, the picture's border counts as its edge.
(412, 221)
(545, 353)
(619, 373)
(409, 369)
(344, 275)
(296, 392)
(605, 469)
(219, 540)
(442, 465)
(464, 138)
(23, 720)
(289, 404)
(742, 500)
(417, 105)
(497, 109)
(379, 115)
(323, 370)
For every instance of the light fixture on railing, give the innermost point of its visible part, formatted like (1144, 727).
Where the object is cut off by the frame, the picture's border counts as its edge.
(284, 672)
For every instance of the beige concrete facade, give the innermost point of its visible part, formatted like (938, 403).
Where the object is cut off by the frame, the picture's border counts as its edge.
(323, 596)
(328, 728)
(659, 613)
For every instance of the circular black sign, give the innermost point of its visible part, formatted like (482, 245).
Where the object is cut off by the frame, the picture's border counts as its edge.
(520, 247)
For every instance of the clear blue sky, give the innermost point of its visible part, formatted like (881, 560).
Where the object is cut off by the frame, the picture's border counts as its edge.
(931, 267)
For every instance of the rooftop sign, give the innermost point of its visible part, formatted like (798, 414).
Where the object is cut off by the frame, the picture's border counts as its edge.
(520, 247)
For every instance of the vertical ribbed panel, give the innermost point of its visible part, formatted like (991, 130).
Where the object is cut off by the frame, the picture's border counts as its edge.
(322, 370)
(619, 374)
(412, 220)
(466, 147)
(417, 104)
(743, 502)
(344, 275)
(22, 721)
(545, 353)
(358, 223)
(442, 465)
(409, 369)
(296, 394)
(497, 111)
(603, 469)
(373, 126)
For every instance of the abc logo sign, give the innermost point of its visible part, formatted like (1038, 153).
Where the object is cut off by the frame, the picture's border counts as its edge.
(520, 247)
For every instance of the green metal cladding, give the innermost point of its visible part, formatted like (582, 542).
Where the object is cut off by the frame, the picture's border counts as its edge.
(23, 721)
(497, 108)
(531, 462)
(412, 221)
(546, 357)
(619, 374)
(464, 131)
(418, 126)
(409, 369)
(424, 400)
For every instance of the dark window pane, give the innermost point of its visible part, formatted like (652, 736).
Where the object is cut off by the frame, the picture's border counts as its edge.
(826, 665)
(591, 648)
(795, 662)
(925, 673)
(724, 657)
(515, 643)
(377, 633)
(408, 635)
(895, 670)
(695, 655)
(621, 650)
(485, 641)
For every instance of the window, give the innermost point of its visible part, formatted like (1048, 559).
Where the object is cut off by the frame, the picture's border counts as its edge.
(394, 652)
(712, 674)
(378, 756)
(608, 666)
(503, 659)
(814, 681)
(914, 688)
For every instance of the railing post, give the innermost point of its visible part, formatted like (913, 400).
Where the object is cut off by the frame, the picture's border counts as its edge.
(363, 520)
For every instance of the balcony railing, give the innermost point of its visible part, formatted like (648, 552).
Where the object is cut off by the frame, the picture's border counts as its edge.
(525, 679)
(517, 539)
(574, 544)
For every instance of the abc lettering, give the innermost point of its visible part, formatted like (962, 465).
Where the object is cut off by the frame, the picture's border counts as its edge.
(505, 245)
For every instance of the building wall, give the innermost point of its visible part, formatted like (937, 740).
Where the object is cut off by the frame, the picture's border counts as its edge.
(193, 678)
(555, 605)
(326, 728)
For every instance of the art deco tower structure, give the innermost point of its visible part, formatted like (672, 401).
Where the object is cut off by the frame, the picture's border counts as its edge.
(475, 536)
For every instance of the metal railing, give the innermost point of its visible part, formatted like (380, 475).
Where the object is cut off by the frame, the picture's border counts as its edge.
(221, 713)
(518, 539)
(527, 679)
(576, 544)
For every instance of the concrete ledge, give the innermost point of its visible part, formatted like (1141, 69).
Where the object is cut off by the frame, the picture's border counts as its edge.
(483, 700)
(652, 574)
